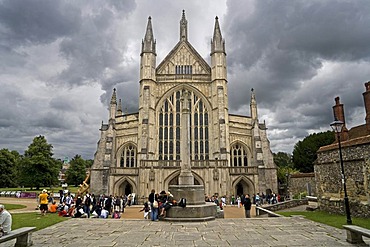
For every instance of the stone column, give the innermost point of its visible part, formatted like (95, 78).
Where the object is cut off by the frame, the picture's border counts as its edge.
(185, 177)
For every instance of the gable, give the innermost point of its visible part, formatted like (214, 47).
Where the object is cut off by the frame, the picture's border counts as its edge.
(183, 54)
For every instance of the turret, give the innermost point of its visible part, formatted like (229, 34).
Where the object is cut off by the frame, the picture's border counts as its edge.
(148, 43)
(217, 43)
(183, 27)
(113, 105)
(218, 54)
(148, 54)
(253, 106)
(119, 108)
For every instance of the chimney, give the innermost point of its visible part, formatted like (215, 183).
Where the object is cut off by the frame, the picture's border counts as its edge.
(338, 111)
(366, 96)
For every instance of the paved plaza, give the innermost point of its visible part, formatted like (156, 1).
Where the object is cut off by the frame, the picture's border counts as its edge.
(283, 231)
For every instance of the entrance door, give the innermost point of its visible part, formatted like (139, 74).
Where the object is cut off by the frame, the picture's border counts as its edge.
(239, 189)
(125, 189)
(243, 188)
(128, 189)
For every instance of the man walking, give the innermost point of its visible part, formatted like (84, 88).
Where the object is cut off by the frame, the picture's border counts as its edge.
(5, 220)
(247, 206)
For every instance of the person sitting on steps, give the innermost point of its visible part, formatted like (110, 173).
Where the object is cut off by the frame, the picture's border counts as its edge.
(167, 203)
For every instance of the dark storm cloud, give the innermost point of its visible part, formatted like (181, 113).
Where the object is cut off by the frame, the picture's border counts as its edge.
(59, 58)
(37, 21)
(284, 49)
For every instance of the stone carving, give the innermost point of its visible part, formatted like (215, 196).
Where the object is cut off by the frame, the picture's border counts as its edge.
(215, 174)
(151, 174)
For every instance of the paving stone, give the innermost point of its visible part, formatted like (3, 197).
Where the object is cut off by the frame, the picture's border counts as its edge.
(294, 231)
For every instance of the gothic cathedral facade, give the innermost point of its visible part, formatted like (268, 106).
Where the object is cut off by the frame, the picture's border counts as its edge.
(138, 152)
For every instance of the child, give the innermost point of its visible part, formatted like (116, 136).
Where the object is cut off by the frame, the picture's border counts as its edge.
(146, 210)
(116, 215)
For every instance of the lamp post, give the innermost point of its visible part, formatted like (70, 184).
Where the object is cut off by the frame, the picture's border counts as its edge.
(337, 126)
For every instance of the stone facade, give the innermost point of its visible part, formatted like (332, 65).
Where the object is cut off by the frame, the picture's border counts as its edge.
(302, 182)
(355, 146)
(230, 154)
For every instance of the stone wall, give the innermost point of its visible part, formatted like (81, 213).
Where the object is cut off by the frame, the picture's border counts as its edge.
(356, 162)
(302, 183)
(286, 204)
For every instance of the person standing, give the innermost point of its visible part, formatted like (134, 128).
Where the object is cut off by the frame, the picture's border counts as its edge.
(5, 220)
(153, 206)
(87, 204)
(239, 200)
(247, 206)
(43, 199)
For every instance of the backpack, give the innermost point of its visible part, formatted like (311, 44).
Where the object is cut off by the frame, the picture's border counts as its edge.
(88, 201)
(182, 203)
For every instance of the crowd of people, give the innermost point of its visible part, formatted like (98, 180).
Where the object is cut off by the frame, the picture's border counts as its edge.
(155, 208)
(84, 206)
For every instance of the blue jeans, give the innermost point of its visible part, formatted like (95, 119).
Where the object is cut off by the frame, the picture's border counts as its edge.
(153, 213)
(87, 210)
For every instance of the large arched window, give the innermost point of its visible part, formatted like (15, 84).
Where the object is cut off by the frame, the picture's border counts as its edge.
(128, 156)
(238, 155)
(170, 126)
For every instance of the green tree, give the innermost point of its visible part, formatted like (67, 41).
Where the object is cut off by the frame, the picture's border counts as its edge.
(282, 159)
(76, 172)
(285, 166)
(89, 163)
(8, 167)
(304, 153)
(38, 168)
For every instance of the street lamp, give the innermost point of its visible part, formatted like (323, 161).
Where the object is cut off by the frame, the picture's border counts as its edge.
(337, 126)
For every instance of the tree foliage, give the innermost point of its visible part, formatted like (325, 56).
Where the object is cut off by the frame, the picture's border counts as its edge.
(282, 159)
(8, 166)
(285, 166)
(76, 172)
(38, 168)
(304, 153)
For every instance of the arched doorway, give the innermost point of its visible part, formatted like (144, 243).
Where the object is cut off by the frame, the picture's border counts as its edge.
(243, 186)
(125, 188)
(239, 189)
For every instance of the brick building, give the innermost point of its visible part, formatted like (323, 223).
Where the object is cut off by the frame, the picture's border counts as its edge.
(356, 158)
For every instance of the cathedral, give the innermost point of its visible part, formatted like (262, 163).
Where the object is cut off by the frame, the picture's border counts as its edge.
(137, 152)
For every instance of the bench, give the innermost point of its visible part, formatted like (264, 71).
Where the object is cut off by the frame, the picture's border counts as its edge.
(23, 236)
(355, 233)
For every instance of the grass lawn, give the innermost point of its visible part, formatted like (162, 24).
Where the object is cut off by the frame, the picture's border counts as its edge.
(330, 219)
(14, 206)
(35, 219)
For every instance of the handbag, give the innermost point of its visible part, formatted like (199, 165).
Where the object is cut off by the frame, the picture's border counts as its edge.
(155, 204)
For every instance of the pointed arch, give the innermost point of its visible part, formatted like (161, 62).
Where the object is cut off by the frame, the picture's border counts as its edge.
(243, 185)
(120, 186)
(169, 114)
(126, 155)
(240, 154)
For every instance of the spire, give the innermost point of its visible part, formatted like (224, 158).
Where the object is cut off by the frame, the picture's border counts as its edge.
(217, 43)
(183, 27)
(148, 44)
(114, 97)
(253, 105)
(119, 107)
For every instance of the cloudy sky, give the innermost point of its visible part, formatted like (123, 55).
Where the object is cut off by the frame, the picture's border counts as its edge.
(60, 60)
